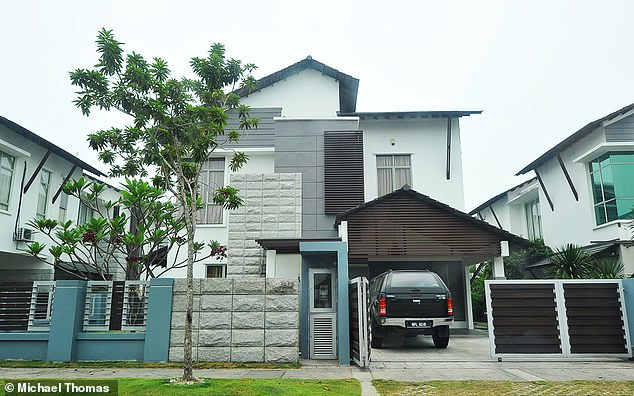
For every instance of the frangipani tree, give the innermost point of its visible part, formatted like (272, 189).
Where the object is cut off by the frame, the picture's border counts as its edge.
(131, 234)
(175, 124)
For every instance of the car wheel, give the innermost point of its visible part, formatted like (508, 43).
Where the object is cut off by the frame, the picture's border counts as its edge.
(376, 342)
(440, 341)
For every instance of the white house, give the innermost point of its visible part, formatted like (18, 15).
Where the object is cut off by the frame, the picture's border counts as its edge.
(582, 193)
(32, 172)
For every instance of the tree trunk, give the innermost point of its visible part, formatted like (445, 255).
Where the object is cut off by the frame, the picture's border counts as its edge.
(190, 223)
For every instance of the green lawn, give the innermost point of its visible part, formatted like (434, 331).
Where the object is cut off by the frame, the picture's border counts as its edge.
(485, 388)
(225, 386)
(130, 364)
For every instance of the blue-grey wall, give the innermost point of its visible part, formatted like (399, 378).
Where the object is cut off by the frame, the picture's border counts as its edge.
(299, 148)
(66, 340)
(313, 255)
(620, 131)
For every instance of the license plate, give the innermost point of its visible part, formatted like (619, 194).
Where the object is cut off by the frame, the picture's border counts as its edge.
(418, 324)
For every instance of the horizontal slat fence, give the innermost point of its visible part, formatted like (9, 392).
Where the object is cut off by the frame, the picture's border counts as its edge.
(557, 318)
(15, 303)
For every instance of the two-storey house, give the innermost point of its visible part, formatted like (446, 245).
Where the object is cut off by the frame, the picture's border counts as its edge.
(582, 192)
(32, 172)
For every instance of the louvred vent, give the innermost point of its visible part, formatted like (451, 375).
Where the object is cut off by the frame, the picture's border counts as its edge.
(343, 170)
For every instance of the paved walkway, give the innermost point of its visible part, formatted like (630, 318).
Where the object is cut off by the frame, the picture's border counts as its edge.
(467, 358)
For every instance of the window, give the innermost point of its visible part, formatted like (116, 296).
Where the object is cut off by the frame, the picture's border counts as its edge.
(63, 206)
(394, 171)
(216, 271)
(7, 164)
(85, 214)
(212, 177)
(533, 219)
(612, 188)
(42, 198)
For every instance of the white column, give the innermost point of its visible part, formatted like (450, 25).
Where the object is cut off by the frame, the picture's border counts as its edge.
(271, 257)
(498, 268)
(467, 288)
(343, 232)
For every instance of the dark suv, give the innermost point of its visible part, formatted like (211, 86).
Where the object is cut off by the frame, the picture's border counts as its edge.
(408, 303)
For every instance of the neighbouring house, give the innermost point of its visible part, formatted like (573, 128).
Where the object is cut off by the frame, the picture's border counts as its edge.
(32, 172)
(331, 193)
(582, 192)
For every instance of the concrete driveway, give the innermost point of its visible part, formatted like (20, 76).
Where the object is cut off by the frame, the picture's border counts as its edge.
(463, 346)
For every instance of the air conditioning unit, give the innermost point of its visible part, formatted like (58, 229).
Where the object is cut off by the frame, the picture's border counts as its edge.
(23, 235)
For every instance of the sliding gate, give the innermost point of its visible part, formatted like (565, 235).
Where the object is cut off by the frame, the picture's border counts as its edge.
(360, 333)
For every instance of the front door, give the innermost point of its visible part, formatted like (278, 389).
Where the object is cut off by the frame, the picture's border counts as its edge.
(323, 313)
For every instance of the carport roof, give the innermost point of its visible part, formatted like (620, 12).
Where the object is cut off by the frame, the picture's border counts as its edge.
(289, 245)
(407, 191)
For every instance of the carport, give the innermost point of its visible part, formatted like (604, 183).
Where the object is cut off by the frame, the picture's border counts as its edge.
(409, 230)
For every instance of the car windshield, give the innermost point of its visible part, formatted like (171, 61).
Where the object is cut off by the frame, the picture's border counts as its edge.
(414, 280)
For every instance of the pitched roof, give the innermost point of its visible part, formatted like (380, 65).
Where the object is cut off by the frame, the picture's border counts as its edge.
(348, 85)
(500, 195)
(20, 130)
(401, 115)
(407, 191)
(572, 139)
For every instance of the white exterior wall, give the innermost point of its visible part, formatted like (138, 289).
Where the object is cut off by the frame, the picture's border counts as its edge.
(572, 221)
(305, 94)
(260, 161)
(288, 266)
(13, 253)
(426, 141)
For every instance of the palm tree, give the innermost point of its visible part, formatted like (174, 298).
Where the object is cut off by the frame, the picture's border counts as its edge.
(571, 262)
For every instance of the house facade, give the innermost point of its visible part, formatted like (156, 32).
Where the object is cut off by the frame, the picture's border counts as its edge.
(32, 172)
(582, 192)
(317, 168)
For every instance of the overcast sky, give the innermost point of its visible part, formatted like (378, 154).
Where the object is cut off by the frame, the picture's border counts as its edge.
(540, 70)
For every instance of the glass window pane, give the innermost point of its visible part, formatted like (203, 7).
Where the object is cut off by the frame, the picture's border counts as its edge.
(402, 160)
(384, 160)
(384, 181)
(402, 176)
(608, 183)
(604, 160)
(611, 211)
(599, 212)
(323, 291)
(623, 175)
(621, 157)
(625, 208)
(594, 166)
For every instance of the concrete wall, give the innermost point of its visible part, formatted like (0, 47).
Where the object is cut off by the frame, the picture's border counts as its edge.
(426, 141)
(66, 340)
(308, 93)
(239, 320)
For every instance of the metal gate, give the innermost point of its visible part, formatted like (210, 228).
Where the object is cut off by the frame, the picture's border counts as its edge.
(557, 318)
(360, 330)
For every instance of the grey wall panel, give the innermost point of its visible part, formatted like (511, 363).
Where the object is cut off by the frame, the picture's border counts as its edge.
(263, 136)
(299, 148)
(621, 131)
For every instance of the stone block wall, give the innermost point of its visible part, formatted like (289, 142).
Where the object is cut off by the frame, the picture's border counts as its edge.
(238, 320)
(272, 209)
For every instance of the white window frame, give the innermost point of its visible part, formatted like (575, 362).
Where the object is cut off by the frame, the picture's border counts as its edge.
(208, 198)
(5, 205)
(47, 189)
(393, 168)
(223, 269)
(531, 227)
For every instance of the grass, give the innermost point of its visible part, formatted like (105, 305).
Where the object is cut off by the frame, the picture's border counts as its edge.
(238, 387)
(131, 364)
(475, 388)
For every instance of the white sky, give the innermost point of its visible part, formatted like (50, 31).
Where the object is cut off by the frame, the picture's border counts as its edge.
(540, 70)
